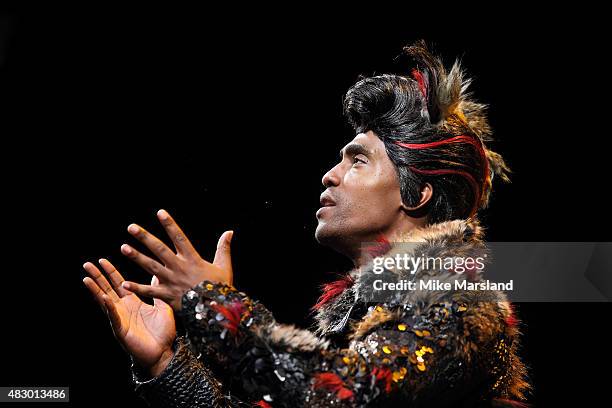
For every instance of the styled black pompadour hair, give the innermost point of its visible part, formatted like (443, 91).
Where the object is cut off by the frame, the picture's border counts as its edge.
(433, 133)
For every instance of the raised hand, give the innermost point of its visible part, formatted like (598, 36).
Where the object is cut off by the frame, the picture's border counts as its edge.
(144, 331)
(178, 271)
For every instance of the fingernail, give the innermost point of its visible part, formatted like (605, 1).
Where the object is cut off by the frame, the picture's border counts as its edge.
(162, 214)
(223, 240)
(125, 285)
(231, 235)
(125, 248)
(85, 265)
(133, 229)
(101, 260)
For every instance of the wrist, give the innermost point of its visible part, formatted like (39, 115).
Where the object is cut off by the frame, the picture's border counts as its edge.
(161, 364)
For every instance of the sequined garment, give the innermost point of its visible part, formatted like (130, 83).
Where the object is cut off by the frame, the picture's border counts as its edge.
(418, 349)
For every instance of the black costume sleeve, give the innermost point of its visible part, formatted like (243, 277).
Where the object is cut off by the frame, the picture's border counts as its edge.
(185, 383)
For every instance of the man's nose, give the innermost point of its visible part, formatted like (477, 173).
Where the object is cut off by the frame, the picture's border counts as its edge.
(331, 178)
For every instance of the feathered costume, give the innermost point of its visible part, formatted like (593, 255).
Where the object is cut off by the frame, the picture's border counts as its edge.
(449, 349)
(454, 348)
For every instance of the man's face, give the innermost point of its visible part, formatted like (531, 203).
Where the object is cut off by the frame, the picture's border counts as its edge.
(362, 197)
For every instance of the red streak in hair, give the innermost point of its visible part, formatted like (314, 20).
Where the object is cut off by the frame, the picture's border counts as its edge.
(457, 139)
(471, 140)
(512, 403)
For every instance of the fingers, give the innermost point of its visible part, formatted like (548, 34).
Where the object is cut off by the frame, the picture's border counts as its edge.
(155, 245)
(95, 290)
(148, 264)
(145, 290)
(223, 256)
(114, 276)
(113, 315)
(156, 301)
(100, 281)
(105, 302)
(179, 239)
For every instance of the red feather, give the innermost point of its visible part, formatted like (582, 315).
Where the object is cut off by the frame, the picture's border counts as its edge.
(381, 247)
(385, 375)
(418, 76)
(262, 404)
(511, 320)
(333, 289)
(332, 382)
(232, 313)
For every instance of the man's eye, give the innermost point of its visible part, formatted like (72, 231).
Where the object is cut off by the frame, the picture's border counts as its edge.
(357, 159)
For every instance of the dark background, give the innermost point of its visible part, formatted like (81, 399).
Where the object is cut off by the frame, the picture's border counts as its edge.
(229, 120)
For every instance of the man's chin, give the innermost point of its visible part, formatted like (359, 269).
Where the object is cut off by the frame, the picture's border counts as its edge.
(327, 235)
(334, 238)
(323, 233)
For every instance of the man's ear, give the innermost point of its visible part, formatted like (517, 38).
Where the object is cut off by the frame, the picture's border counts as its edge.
(420, 209)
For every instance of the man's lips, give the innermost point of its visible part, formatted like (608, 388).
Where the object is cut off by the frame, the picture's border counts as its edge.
(326, 200)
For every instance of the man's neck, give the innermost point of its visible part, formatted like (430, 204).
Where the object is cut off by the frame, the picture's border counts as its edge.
(404, 226)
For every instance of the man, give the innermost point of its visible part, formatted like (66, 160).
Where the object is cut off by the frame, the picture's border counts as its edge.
(417, 172)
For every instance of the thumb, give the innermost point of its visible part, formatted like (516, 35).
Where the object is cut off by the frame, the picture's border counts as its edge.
(223, 256)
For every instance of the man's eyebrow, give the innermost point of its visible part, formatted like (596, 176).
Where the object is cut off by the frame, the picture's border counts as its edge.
(353, 149)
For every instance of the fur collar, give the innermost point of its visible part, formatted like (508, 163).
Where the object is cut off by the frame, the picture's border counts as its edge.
(341, 299)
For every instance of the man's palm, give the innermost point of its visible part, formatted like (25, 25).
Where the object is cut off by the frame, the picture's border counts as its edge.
(145, 331)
